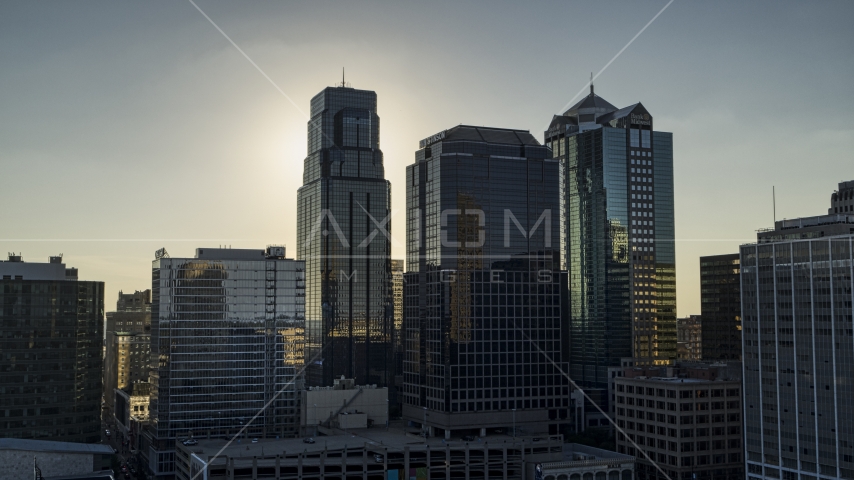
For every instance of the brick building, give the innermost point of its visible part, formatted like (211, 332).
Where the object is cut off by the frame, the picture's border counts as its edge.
(686, 418)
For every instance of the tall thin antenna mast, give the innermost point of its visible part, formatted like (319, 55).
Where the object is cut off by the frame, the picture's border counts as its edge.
(591, 83)
(342, 77)
(774, 200)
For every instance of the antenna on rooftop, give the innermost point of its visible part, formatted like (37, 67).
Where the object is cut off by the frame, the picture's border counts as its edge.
(591, 83)
(343, 81)
(774, 201)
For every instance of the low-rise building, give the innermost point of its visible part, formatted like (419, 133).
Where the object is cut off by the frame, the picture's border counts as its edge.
(584, 462)
(686, 419)
(19, 457)
(393, 454)
(343, 405)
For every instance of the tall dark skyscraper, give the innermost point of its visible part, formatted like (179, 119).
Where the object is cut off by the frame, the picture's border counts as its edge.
(483, 288)
(343, 227)
(51, 334)
(720, 306)
(617, 226)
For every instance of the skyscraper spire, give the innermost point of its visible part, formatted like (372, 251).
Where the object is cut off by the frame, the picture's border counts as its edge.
(591, 83)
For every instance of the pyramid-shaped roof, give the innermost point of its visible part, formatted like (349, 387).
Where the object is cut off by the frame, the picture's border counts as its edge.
(592, 103)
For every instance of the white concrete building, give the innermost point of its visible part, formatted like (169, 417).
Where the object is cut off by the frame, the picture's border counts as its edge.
(343, 405)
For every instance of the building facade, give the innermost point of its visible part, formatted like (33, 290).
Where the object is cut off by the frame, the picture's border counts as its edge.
(344, 405)
(133, 313)
(796, 291)
(720, 307)
(128, 360)
(582, 462)
(226, 343)
(51, 362)
(372, 453)
(397, 268)
(842, 200)
(617, 236)
(689, 335)
(343, 227)
(684, 423)
(483, 288)
(127, 344)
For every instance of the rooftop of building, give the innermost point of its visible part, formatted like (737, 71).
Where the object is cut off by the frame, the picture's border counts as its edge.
(504, 136)
(343, 384)
(54, 447)
(15, 268)
(686, 372)
(805, 228)
(577, 454)
(591, 102)
(831, 219)
(272, 252)
(102, 475)
(593, 111)
(378, 439)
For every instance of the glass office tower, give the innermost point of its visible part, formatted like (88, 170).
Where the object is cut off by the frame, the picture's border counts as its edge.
(798, 349)
(227, 339)
(343, 236)
(618, 236)
(720, 306)
(51, 337)
(483, 287)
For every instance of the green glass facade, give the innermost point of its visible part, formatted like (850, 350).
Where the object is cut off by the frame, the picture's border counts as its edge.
(618, 237)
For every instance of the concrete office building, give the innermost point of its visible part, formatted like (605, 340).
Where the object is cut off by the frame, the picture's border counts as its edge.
(842, 200)
(687, 419)
(796, 291)
(616, 175)
(226, 343)
(483, 289)
(127, 360)
(373, 453)
(689, 336)
(127, 345)
(133, 313)
(344, 405)
(343, 226)
(720, 307)
(51, 363)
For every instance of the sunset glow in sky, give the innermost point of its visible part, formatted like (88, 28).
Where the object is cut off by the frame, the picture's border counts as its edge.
(127, 127)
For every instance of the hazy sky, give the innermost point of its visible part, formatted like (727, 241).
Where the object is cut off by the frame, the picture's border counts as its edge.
(127, 127)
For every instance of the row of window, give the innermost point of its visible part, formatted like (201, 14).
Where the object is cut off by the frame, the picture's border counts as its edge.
(671, 393)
